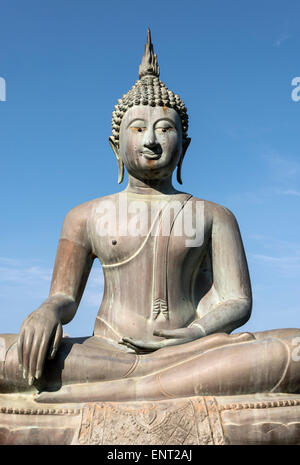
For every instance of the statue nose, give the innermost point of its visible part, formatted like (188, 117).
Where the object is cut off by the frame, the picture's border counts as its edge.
(150, 140)
(150, 145)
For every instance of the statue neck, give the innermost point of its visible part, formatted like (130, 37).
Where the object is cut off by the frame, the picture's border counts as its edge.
(151, 187)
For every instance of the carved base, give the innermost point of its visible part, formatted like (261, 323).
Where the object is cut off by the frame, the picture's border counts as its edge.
(251, 419)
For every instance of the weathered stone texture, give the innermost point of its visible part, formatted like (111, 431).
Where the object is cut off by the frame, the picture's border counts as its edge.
(256, 419)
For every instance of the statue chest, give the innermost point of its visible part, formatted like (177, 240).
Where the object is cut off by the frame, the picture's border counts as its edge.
(149, 259)
(156, 231)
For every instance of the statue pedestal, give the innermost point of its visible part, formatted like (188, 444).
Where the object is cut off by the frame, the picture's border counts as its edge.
(207, 420)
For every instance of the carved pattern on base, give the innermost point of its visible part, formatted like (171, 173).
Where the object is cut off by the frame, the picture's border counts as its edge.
(40, 411)
(193, 421)
(188, 421)
(259, 405)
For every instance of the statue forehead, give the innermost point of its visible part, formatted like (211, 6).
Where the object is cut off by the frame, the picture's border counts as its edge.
(150, 114)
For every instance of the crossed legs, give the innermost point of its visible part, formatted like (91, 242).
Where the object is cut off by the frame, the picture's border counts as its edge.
(87, 369)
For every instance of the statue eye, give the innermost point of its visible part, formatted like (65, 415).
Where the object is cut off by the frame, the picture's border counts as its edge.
(159, 130)
(137, 129)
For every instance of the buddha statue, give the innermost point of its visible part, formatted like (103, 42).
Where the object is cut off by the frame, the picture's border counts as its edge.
(171, 299)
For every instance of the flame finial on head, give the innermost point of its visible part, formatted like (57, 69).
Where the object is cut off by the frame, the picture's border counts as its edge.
(149, 65)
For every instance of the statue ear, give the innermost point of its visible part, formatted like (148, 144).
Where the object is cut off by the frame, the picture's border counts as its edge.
(120, 162)
(185, 145)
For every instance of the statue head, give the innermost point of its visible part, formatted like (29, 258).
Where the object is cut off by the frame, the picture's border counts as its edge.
(149, 125)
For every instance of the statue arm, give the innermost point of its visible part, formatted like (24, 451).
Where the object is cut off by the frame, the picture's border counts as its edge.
(74, 259)
(231, 280)
(71, 270)
(41, 332)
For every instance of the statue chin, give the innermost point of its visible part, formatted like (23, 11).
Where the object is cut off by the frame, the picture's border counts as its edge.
(163, 365)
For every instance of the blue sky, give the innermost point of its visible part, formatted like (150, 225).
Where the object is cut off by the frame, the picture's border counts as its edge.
(67, 62)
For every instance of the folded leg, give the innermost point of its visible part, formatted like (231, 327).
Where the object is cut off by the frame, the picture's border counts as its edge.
(256, 365)
(78, 360)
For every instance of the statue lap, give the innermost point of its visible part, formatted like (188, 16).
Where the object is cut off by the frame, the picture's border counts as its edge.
(228, 368)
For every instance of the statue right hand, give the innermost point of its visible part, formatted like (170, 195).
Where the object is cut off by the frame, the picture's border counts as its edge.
(39, 337)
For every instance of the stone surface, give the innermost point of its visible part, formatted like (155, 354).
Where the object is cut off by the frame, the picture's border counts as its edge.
(253, 419)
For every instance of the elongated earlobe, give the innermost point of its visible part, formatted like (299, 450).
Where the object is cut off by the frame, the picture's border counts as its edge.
(119, 160)
(179, 179)
(185, 145)
(120, 171)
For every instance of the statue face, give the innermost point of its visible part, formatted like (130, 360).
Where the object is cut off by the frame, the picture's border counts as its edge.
(150, 141)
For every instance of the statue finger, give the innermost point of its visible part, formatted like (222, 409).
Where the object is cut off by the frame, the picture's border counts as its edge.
(56, 342)
(27, 345)
(41, 356)
(20, 349)
(175, 342)
(33, 359)
(133, 342)
(127, 344)
(150, 346)
(127, 340)
(142, 347)
(131, 349)
(134, 349)
(171, 333)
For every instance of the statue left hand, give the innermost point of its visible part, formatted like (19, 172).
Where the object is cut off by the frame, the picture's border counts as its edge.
(172, 337)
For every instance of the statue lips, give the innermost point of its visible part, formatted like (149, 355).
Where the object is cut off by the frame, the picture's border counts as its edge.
(151, 155)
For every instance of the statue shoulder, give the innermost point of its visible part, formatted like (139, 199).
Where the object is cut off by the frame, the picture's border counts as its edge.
(76, 226)
(212, 207)
(81, 213)
(216, 212)
(223, 219)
